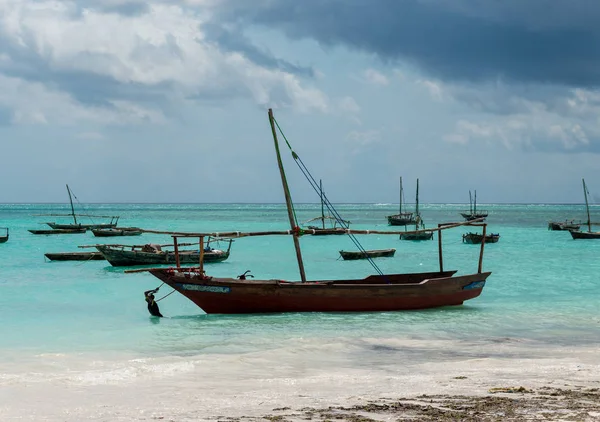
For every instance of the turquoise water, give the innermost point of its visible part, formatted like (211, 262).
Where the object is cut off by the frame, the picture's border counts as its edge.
(544, 286)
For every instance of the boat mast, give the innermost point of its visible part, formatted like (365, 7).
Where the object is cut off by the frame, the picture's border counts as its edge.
(587, 207)
(418, 219)
(470, 203)
(400, 206)
(475, 204)
(72, 209)
(288, 199)
(322, 205)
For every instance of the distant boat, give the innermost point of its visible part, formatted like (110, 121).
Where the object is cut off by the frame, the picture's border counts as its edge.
(563, 225)
(117, 231)
(402, 218)
(58, 231)
(77, 224)
(473, 214)
(323, 230)
(74, 256)
(476, 238)
(417, 235)
(577, 234)
(153, 254)
(4, 235)
(374, 253)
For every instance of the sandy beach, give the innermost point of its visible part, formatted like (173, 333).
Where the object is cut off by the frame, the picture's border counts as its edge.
(315, 386)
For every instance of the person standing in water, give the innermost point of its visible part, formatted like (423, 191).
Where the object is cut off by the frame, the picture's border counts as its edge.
(152, 305)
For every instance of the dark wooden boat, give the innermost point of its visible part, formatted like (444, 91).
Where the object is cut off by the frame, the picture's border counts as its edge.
(77, 224)
(152, 254)
(473, 214)
(563, 225)
(417, 234)
(74, 256)
(402, 218)
(322, 229)
(476, 238)
(4, 236)
(578, 234)
(381, 292)
(373, 253)
(58, 231)
(117, 231)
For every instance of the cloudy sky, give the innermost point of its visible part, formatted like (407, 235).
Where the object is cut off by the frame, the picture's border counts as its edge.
(166, 101)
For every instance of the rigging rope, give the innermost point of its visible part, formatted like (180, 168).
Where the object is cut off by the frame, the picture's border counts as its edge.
(326, 201)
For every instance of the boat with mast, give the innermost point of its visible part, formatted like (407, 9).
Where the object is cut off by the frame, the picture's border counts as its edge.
(417, 234)
(402, 218)
(473, 214)
(578, 234)
(378, 292)
(77, 224)
(335, 228)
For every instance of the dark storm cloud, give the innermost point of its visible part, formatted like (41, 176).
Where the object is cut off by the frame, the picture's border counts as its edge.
(234, 41)
(540, 41)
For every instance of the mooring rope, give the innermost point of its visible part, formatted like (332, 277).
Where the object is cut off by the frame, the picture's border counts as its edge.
(326, 201)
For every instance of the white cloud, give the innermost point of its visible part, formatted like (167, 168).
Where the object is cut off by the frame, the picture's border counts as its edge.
(433, 88)
(163, 50)
(376, 78)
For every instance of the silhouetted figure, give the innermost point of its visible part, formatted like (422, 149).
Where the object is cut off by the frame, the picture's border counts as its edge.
(152, 305)
(243, 276)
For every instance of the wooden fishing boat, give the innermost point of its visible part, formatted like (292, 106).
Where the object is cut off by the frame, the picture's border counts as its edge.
(337, 226)
(4, 235)
(477, 238)
(563, 225)
(473, 214)
(402, 218)
(74, 256)
(116, 231)
(578, 234)
(417, 234)
(373, 253)
(78, 224)
(380, 292)
(153, 254)
(58, 231)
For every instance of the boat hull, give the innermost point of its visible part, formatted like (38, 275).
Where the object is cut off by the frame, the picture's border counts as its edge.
(74, 256)
(556, 226)
(127, 258)
(111, 232)
(476, 238)
(58, 231)
(82, 226)
(471, 217)
(575, 234)
(401, 219)
(417, 236)
(394, 292)
(377, 253)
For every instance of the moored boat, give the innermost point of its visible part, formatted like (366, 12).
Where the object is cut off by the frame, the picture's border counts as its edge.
(402, 218)
(58, 231)
(578, 234)
(417, 234)
(477, 238)
(74, 256)
(153, 254)
(473, 214)
(379, 292)
(563, 225)
(373, 253)
(116, 231)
